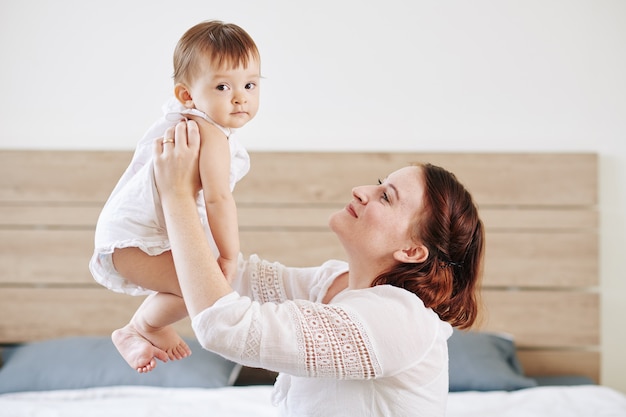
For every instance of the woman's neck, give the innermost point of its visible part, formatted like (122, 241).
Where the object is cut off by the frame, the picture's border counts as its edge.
(339, 284)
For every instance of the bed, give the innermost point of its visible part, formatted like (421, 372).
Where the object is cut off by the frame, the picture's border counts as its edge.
(537, 352)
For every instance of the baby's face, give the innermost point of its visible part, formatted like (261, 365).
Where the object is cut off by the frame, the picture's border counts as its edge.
(229, 96)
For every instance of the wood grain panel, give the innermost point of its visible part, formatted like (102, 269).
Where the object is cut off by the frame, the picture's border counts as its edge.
(26, 215)
(293, 247)
(541, 259)
(540, 362)
(511, 219)
(493, 179)
(549, 219)
(30, 314)
(60, 176)
(544, 318)
(302, 215)
(45, 256)
(512, 259)
(540, 213)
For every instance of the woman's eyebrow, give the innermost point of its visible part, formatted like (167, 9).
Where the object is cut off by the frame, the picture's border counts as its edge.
(395, 190)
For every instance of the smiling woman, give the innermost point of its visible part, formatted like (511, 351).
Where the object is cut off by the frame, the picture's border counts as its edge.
(379, 217)
(398, 237)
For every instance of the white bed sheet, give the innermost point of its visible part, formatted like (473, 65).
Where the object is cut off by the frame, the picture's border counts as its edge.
(583, 401)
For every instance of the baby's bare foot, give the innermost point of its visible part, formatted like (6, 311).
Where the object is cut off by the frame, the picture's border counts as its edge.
(138, 352)
(166, 339)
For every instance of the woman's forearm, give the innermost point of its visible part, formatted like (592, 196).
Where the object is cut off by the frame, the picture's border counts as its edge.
(178, 180)
(201, 280)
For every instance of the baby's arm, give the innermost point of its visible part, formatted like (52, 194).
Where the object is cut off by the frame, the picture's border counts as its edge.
(220, 205)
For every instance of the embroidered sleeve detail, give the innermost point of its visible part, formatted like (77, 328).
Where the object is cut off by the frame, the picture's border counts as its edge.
(252, 346)
(332, 344)
(265, 283)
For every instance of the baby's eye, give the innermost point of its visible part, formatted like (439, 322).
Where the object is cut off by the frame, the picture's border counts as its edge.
(250, 86)
(222, 87)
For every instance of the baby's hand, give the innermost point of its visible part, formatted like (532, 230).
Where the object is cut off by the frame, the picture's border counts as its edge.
(228, 267)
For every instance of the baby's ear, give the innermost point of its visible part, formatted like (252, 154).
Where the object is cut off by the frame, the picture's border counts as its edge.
(182, 94)
(412, 254)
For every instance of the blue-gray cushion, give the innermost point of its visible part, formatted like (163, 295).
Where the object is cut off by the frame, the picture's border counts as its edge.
(563, 380)
(481, 361)
(84, 362)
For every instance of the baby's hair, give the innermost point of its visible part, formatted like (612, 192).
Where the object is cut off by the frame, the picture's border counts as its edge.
(225, 44)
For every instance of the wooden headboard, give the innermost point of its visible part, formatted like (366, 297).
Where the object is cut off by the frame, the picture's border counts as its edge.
(540, 213)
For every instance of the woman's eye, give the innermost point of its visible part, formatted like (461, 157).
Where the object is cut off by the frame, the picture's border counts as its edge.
(385, 195)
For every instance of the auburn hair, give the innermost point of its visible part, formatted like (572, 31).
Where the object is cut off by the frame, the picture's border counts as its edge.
(224, 44)
(448, 225)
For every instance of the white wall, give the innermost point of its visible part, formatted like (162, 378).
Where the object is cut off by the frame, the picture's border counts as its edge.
(485, 75)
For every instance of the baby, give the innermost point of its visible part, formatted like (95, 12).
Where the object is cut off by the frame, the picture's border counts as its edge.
(216, 77)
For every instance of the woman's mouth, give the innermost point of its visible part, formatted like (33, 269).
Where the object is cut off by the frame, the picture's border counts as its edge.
(351, 211)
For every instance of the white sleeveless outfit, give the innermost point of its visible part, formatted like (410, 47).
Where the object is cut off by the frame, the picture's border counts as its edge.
(133, 216)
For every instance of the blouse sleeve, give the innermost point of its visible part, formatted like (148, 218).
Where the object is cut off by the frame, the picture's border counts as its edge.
(265, 281)
(348, 339)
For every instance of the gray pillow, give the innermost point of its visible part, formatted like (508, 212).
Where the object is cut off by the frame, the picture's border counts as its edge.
(85, 362)
(484, 362)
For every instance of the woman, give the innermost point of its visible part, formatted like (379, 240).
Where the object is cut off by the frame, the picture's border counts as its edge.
(367, 337)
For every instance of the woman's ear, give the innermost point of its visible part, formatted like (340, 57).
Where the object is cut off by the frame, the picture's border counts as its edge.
(413, 254)
(182, 94)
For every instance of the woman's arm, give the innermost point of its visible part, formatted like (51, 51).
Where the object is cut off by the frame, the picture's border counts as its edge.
(178, 180)
(348, 339)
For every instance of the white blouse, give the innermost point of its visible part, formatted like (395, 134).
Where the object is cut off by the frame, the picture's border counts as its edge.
(369, 352)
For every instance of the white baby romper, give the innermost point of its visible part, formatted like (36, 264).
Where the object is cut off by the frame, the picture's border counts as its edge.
(133, 216)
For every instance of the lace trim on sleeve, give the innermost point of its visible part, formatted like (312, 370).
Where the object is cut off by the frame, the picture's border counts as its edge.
(332, 343)
(252, 345)
(265, 283)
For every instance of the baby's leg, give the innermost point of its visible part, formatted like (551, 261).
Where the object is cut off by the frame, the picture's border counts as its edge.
(155, 273)
(150, 328)
(141, 340)
(154, 318)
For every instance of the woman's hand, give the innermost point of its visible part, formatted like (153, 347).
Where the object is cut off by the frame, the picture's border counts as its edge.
(176, 161)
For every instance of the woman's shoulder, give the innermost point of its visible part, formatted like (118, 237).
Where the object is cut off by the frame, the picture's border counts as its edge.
(385, 291)
(394, 302)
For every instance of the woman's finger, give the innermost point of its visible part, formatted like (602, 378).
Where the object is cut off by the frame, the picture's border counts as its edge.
(180, 134)
(168, 136)
(160, 144)
(157, 148)
(193, 135)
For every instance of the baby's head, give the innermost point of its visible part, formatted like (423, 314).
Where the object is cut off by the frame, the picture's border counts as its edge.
(217, 71)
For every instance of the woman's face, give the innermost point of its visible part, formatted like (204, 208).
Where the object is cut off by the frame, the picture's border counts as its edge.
(377, 222)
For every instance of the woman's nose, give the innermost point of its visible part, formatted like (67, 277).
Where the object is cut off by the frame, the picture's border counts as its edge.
(360, 194)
